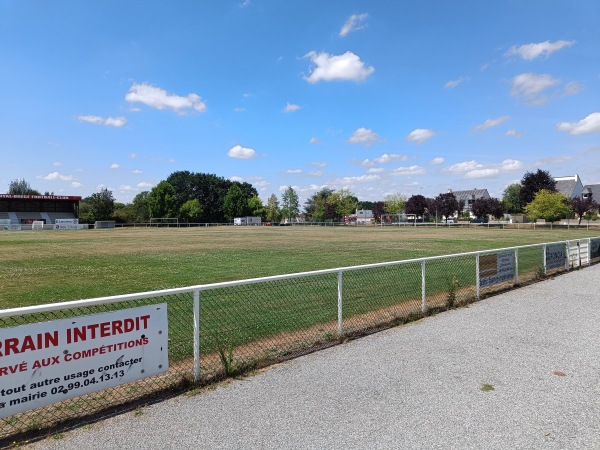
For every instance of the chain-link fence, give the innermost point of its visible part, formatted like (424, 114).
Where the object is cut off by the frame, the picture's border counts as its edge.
(229, 328)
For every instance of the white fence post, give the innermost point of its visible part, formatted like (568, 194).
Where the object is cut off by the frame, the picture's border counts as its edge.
(423, 289)
(477, 274)
(545, 249)
(196, 336)
(340, 316)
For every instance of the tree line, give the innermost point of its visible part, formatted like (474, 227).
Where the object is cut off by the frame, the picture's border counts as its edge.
(208, 198)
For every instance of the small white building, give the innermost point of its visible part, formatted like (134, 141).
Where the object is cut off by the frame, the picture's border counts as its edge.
(364, 216)
(248, 220)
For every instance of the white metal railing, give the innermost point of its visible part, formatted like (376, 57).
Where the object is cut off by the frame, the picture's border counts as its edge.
(577, 253)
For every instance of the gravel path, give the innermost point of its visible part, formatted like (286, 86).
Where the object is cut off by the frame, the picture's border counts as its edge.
(419, 386)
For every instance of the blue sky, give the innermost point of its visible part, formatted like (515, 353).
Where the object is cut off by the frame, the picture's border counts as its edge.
(377, 97)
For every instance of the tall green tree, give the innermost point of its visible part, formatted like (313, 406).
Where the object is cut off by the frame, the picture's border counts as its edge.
(394, 203)
(140, 207)
(549, 205)
(273, 212)
(209, 189)
(100, 205)
(511, 199)
(315, 206)
(161, 201)
(22, 187)
(533, 182)
(235, 203)
(191, 211)
(124, 213)
(256, 207)
(290, 204)
(343, 202)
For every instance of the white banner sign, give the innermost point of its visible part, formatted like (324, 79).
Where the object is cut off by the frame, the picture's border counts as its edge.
(555, 256)
(66, 224)
(47, 362)
(496, 268)
(6, 225)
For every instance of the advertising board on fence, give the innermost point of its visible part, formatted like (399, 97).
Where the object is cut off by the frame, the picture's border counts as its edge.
(496, 268)
(66, 224)
(47, 362)
(594, 249)
(5, 224)
(555, 256)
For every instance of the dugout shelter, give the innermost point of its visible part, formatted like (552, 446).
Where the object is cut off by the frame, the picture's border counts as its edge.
(22, 209)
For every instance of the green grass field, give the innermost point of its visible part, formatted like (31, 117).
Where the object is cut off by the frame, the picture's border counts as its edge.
(49, 266)
(250, 325)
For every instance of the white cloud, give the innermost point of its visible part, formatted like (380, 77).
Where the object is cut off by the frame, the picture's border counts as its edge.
(364, 136)
(573, 88)
(346, 67)
(389, 157)
(290, 107)
(318, 164)
(529, 87)
(420, 135)
(513, 133)
(56, 176)
(473, 169)
(437, 160)
(136, 171)
(453, 83)
(126, 188)
(316, 173)
(76, 184)
(57, 164)
(293, 171)
(410, 170)
(145, 184)
(132, 155)
(375, 170)
(590, 124)
(355, 22)
(116, 122)
(532, 51)
(240, 152)
(465, 166)
(482, 173)
(114, 166)
(491, 123)
(314, 140)
(383, 159)
(554, 160)
(239, 110)
(511, 164)
(236, 178)
(358, 179)
(158, 98)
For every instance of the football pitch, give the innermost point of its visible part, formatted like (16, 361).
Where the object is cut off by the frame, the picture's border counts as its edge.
(51, 266)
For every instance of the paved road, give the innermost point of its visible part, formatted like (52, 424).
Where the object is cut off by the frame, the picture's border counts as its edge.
(412, 387)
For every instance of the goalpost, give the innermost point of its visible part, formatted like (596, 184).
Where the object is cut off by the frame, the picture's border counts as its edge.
(164, 221)
(397, 219)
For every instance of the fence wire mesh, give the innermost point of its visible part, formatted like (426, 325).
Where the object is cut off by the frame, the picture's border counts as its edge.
(244, 325)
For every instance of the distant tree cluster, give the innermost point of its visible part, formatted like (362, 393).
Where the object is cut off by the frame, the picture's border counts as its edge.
(202, 197)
